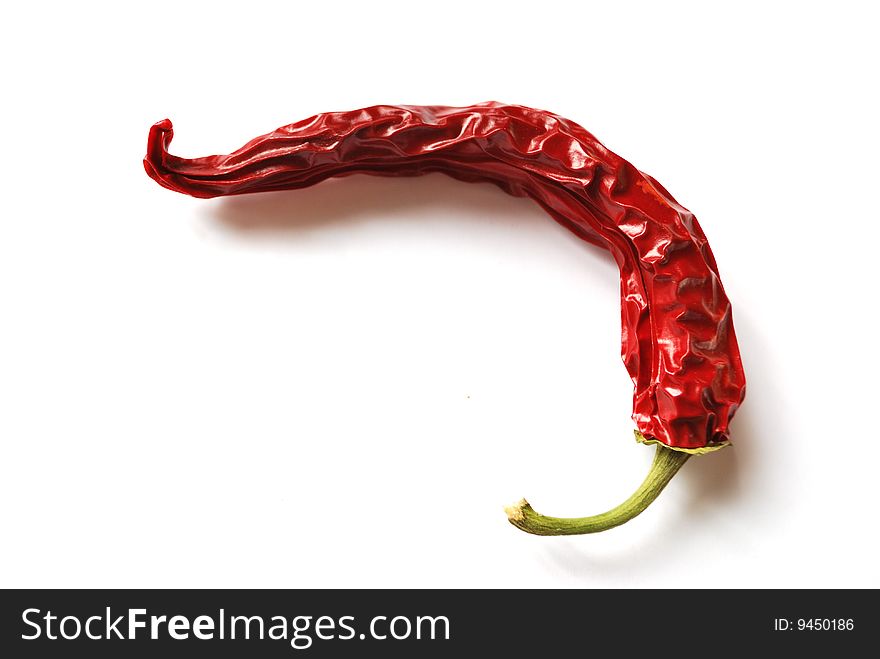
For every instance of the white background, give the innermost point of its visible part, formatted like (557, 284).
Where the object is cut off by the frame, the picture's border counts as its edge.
(343, 386)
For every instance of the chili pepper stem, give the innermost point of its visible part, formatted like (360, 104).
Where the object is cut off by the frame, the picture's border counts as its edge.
(666, 464)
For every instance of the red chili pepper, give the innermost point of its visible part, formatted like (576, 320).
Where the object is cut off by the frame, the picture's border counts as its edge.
(679, 344)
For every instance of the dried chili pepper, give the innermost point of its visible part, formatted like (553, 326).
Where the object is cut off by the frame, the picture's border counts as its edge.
(679, 345)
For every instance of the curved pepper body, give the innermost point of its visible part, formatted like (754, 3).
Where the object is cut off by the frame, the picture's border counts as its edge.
(678, 341)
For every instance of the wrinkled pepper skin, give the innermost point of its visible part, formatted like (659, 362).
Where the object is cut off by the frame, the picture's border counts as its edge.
(678, 341)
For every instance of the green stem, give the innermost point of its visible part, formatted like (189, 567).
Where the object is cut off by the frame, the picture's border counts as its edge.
(666, 464)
